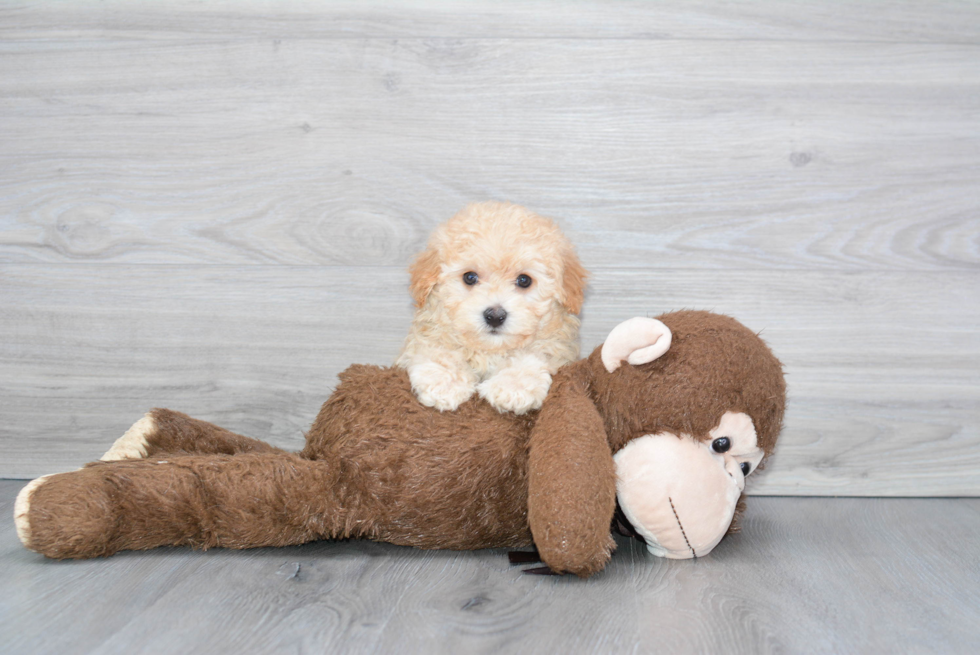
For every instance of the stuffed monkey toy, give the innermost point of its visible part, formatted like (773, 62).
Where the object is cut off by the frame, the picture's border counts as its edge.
(658, 427)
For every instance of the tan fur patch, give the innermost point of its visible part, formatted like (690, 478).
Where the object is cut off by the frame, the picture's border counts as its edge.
(22, 507)
(133, 444)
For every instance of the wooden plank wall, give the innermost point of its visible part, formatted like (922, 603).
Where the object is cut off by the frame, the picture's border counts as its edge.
(210, 206)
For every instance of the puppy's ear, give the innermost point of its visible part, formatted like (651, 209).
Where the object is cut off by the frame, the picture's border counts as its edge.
(573, 282)
(424, 273)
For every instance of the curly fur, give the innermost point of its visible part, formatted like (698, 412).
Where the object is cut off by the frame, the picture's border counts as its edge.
(451, 352)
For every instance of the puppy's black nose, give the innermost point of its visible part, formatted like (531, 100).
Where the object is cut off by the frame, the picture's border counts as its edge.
(495, 316)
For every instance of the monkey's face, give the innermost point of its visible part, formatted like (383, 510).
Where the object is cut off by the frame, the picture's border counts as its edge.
(678, 493)
(692, 395)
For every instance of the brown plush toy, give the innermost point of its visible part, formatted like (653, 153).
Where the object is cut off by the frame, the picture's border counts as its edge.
(697, 406)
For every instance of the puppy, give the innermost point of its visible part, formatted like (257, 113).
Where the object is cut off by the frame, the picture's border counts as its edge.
(496, 292)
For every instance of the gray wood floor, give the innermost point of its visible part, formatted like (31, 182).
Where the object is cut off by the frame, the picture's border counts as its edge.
(815, 575)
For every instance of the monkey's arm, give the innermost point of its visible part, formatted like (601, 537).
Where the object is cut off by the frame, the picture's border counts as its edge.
(571, 481)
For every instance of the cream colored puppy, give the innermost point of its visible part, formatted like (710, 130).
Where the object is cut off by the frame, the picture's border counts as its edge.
(497, 290)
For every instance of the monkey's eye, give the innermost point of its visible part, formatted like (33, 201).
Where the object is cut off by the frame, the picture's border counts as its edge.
(746, 467)
(524, 281)
(470, 278)
(721, 445)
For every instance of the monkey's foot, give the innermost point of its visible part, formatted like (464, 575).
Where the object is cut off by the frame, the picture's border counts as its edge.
(133, 444)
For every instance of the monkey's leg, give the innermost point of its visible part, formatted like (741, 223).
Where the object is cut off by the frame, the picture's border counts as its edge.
(240, 501)
(164, 431)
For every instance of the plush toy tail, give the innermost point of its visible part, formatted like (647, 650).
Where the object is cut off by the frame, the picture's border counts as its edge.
(239, 501)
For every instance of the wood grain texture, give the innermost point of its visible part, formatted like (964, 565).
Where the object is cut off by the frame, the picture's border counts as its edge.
(905, 21)
(883, 367)
(211, 206)
(155, 135)
(804, 575)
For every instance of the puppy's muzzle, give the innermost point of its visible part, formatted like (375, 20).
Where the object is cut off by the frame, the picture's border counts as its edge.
(495, 316)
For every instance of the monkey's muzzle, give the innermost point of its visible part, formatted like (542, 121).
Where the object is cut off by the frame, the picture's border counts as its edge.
(677, 494)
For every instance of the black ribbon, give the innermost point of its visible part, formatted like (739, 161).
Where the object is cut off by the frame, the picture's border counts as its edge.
(620, 525)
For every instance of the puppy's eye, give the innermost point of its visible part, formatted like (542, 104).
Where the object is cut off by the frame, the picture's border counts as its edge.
(746, 468)
(524, 281)
(470, 278)
(721, 445)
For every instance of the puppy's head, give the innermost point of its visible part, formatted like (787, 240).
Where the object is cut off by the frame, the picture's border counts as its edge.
(497, 275)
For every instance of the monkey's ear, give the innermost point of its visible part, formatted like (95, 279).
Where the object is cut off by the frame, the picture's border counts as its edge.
(424, 273)
(573, 282)
(571, 481)
(637, 340)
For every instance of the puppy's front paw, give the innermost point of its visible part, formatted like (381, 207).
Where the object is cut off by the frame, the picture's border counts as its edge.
(517, 390)
(439, 387)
